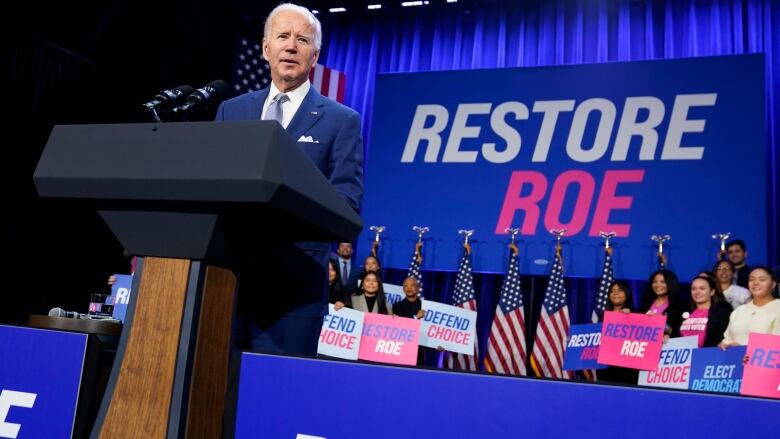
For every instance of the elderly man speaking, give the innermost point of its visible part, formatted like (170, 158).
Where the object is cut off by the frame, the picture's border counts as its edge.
(284, 293)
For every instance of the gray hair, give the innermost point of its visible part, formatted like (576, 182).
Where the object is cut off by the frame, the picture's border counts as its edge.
(315, 24)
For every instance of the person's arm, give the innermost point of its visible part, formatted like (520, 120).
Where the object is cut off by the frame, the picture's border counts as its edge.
(346, 161)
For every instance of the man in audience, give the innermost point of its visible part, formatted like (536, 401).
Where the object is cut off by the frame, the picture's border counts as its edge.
(349, 273)
(737, 254)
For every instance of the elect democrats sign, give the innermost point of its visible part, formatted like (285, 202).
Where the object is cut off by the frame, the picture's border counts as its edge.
(40, 375)
(636, 148)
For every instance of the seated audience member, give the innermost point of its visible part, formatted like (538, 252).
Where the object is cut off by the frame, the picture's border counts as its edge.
(411, 308)
(709, 315)
(662, 297)
(735, 294)
(761, 314)
(337, 294)
(737, 254)
(370, 296)
(620, 299)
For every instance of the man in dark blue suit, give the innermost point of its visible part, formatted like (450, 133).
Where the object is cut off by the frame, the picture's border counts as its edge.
(283, 294)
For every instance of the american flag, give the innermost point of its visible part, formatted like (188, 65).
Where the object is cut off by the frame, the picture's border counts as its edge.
(506, 346)
(415, 266)
(251, 72)
(603, 292)
(553, 327)
(464, 298)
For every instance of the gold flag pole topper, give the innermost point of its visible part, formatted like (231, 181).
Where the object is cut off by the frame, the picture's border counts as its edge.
(513, 239)
(607, 236)
(723, 237)
(466, 235)
(375, 245)
(661, 239)
(420, 230)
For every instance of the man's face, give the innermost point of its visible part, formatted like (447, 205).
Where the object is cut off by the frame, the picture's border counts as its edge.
(289, 49)
(736, 255)
(345, 250)
(411, 288)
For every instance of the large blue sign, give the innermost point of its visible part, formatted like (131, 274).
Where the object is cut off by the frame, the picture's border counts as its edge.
(668, 147)
(284, 397)
(40, 375)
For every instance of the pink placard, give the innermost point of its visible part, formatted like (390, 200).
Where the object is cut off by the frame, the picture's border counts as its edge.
(631, 340)
(762, 371)
(389, 339)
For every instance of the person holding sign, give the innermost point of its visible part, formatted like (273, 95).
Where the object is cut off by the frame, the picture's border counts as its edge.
(735, 294)
(662, 297)
(760, 315)
(710, 313)
(411, 308)
(370, 296)
(620, 300)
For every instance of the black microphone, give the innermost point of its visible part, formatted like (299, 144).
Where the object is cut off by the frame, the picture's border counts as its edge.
(168, 99)
(204, 97)
(59, 312)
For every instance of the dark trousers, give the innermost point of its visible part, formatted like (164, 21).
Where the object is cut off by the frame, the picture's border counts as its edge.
(282, 297)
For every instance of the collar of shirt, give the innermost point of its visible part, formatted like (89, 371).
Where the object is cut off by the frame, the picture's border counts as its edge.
(290, 107)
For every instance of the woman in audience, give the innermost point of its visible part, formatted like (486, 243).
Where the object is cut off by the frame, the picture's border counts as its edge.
(761, 314)
(370, 296)
(337, 295)
(662, 297)
(709, 314)
(735, 294)
(620, 299)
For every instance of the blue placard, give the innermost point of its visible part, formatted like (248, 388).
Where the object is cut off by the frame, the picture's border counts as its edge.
(40, 375)
(582, 348)
(120, 292)
(286, 397)
(716, 370)
(635, 147)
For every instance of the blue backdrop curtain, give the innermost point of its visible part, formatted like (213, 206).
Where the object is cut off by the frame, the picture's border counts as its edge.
(525, 34)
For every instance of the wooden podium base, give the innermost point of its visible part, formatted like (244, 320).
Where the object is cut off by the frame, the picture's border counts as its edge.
(160, 385)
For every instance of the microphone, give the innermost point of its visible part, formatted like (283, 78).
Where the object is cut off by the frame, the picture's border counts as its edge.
(204, 97)
(59, 312)
(168, 99)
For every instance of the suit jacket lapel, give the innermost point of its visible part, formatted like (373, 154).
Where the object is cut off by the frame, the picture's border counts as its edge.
(307, 115)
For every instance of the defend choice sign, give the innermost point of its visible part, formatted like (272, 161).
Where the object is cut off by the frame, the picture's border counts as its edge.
(340, 334)
(582, 147)
(448, 326)
(582, 350)
(389, 339)
(674, 367)
(762, 371)
(631, 340)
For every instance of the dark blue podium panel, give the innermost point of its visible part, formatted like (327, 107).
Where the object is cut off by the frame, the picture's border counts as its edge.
(284, 397)
(40, 375)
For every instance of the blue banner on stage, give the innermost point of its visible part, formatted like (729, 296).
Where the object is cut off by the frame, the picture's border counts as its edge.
(582, 348)
(40, 375)
(716, 370)
(638, 148)
(286, 397)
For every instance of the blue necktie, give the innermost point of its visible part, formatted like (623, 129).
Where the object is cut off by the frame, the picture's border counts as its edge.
(274, 111)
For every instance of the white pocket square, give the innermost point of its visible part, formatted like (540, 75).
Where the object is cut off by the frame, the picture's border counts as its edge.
(308, 139)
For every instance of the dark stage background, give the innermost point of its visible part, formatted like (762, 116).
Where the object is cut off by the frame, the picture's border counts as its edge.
(96, 62)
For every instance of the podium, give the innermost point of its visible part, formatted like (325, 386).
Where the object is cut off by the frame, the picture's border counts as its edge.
(193, 200)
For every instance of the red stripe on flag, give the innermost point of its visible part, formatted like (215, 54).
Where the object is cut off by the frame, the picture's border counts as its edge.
(342, 87)
(325, 88)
